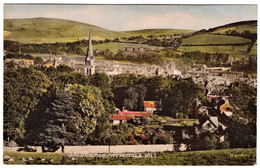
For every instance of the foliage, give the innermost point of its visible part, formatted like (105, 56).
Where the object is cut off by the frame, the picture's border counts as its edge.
(224, 145)
(23, 88)
(238, 128)
(18, 56)
(150, 57)
(58, 126)
(88, 105)
(177, 99)
(112, 135)
(162, 139)
(243, 99)
(209, 142)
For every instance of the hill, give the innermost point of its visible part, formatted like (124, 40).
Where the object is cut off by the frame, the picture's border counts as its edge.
(48, 30)
(221, 39)
(148, 32)
(41, 30)
(212, 39)
(241, 26)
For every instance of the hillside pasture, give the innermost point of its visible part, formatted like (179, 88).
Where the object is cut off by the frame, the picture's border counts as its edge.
(39, 30)
(116, 46)
(156, 32)
(253, 51)
(211, 39)
(239, 29)
(236, 52)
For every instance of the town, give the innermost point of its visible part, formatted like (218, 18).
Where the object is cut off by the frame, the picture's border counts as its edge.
(148, 94)
(211, 115)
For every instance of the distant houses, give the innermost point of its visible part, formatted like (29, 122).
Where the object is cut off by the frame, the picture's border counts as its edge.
(152, 106)
(128, 116)
(22, 63)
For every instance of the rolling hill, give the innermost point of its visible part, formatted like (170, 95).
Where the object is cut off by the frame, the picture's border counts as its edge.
(41, 30)
(148, 32)
(241, 26)
(47, 30)
(217, 40)
(207, 38)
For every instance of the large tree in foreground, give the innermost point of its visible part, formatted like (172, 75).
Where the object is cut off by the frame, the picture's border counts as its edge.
(23, 88)
(58, 125)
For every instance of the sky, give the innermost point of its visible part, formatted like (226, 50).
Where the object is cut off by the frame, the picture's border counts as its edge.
(134, 17)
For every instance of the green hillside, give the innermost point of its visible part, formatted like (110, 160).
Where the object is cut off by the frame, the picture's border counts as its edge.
(40, 30)
(148, 32)
(47, 30)
(116, 46)
(205, 39)
(237, 52)
(240, 27)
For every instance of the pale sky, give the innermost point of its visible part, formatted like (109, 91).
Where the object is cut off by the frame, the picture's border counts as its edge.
(133, 17)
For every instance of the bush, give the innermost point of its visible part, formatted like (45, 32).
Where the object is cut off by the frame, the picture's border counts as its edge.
(224, 145)
(208, 143)
(162, 139)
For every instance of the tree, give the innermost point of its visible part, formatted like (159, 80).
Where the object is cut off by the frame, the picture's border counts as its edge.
(58, 126)
(209, 142)
(103, 82)
(23, 88)
(88, 103)
(162, 139)
(177, 99)
(38, 60)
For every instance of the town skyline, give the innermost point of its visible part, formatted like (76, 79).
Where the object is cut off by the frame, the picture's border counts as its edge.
(135, 17)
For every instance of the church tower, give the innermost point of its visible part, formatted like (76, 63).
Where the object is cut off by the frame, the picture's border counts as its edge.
(89, 59)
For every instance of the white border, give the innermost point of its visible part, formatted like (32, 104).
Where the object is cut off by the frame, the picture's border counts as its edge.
(112, 2)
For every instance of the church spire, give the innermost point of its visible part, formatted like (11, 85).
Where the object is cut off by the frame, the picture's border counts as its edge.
(90, 59)
(90, 50)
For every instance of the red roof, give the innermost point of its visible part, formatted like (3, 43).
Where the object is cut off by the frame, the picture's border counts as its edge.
(134, 113)
(226, 107)
(149, 104)
(212, 97)
(120, 117)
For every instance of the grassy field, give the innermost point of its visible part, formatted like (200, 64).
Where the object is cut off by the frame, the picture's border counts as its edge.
(39, 30)
(47, 30)
(148, 32)
(236, 52)
(211, 157)
(116, 46)
(239, 29)
(253, 51)
(207, 38)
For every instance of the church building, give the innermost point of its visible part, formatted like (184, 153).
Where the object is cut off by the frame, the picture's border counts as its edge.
(90, 59)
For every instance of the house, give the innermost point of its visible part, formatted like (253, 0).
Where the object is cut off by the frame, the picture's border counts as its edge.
(20, 62)
(183, 133)
(226, 109)
(117, 119)
(151, 106)
(226, 76)
(209, 124)
(134, 113)
(127, 116)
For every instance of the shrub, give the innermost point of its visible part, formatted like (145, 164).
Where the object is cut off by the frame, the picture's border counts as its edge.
(162, 139)
(224, 145)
